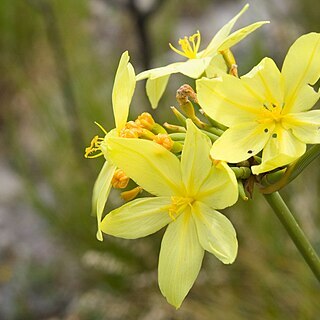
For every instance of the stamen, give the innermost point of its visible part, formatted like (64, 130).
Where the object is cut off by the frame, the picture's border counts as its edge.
(178, 204)
(190, 46)
(95, 146)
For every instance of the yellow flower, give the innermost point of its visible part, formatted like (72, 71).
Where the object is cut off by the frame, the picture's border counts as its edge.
(267, 109)
(187, 194)
(123, 89)
(198, 62)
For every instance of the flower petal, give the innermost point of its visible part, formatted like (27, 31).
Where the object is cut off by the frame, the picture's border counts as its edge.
(222, 34)
(265, 82)
(242, 141)
(159, 72)
(217, 67)
(305, 125)
(180, 259)
(301, 69)
(220, 189)
(239, 35)
(281, 149)
(123, 88)
(137, 218)
(150, 165)
(195, 161)
(155, 88)
(101, 192)
(216, 233)
(227, 100)
(194, 68)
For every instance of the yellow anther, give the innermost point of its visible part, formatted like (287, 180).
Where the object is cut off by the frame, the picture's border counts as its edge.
(164, 140)
(95, 146)
(178, 204)
(119, 180)
(189, 46)
(131, 194)
(145, 120)
(131, 130)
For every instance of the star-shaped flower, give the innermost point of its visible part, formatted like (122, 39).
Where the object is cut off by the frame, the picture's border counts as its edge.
(123, 89)
(267, 109)
(188, 192)
(198, 62)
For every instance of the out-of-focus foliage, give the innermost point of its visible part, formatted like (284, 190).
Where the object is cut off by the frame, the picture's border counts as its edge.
(57, 62)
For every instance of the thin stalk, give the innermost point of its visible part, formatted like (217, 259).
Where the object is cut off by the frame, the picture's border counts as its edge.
(295, 232)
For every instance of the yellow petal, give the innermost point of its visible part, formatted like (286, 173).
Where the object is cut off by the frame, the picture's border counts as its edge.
(101, 192)
(159, 72)
(194, 68)
(123, 88)
(222, 34)
(195, 161)
(265, 82)
(216, 233)
(227, 100)
(155, 88)
(239, 35)
(217, 67)
(180, 259)
(281, 149)
(137, 218)
(241, 142)
(220, 189)
(150, 165)
(301, 68)
(304, 125)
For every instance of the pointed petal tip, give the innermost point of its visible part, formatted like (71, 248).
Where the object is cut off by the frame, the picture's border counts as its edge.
(99, 235)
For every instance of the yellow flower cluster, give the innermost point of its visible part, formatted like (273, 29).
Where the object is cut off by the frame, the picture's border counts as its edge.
(258, 123)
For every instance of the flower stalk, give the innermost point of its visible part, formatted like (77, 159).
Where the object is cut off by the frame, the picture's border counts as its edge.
(295, 232)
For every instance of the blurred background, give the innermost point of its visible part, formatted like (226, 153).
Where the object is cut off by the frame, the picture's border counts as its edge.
(57, 60)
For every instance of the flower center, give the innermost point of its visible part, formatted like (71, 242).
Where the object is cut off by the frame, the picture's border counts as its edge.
(178, 205)
(189, 46)
(271, 113)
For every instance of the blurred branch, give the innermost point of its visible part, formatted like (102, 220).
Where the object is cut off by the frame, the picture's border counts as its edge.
(62, 67)
(141, 19)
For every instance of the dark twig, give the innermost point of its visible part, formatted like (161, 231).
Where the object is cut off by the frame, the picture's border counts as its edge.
(141, 19)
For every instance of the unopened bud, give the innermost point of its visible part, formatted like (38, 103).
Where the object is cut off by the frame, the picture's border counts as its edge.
(145, 120)
(131, 130)
(119, 180)
(164, 140)
(131, 194)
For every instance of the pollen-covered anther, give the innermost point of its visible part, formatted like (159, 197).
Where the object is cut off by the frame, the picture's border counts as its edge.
(145, 120)
(131, 130)
(94, 150)
(119, 180)
(164, 140)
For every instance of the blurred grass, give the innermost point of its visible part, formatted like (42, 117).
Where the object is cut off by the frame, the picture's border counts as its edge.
(53, 87)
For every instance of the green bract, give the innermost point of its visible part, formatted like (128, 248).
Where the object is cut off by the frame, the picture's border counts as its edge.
(187, 194)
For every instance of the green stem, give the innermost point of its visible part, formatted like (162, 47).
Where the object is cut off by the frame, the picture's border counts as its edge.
(295, 232)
